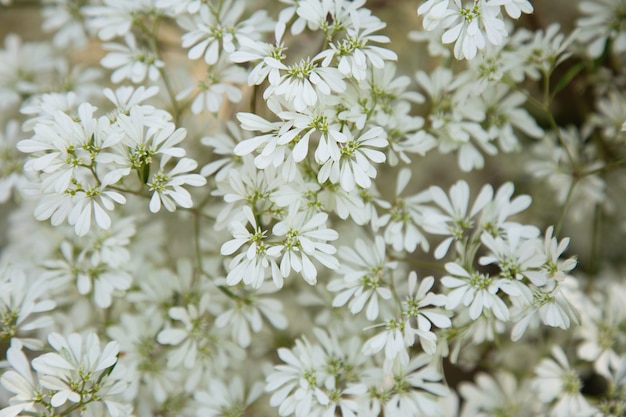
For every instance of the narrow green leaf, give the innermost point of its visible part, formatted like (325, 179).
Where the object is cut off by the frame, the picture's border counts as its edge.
(567, 78)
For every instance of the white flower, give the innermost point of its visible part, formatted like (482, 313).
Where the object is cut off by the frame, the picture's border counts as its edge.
(63, 147)
(455, 116)
(559, 161)
(353, 166)
(114, 17)
(599, 329)
(177, 7)
(248, 315)
(421, 399)
(552, 250)
(516, 258)
(19, 380)
(476, 291)
(269, 56)
(549, 302)
(194, 342)
(90, 274)
(167, 186)
(601, 25)
(455, 219)
(296, 382)
(22, 297)
(315, 14)
(467, 26)
(305, 237)
(11, 162)
(416, 307)
(394, 340)
(222, 144)
(215, 29)
(353, 51)
(251, 265)
(557, 381)
(79, 371)
(145, 138)
(494, 215)
(124, 98)
(542, 51)
(273, 141)
(246, 185)
(367, 280)
(77, 165)
(504, 113)
(217, 84)
(401, 223)
(92, 202)
(515, 8)
(488, 395)
(222, 399)
(610, 116)
(304, 82)
(61, 16)
(131, 61)
(25, 70)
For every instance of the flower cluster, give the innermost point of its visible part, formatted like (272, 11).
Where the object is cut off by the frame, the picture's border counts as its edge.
(236, 208)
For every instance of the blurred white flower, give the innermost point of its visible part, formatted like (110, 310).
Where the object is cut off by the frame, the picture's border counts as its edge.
(365, 277)
(19, 380)
(488, 395)
(11, 162)
(220, 82)
(404, 216)
(22, 298)
(297, 381)
(114, 17)
(602, 25)
(557, 384)
(425, 389)
(213, 30)
(63, 17)
(422, 307)
(454, 219)
(131, 61)
(221, 399)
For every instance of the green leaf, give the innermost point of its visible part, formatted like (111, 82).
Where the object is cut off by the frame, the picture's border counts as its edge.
(567, 78)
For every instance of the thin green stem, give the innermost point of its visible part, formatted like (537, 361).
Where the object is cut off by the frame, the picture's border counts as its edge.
(545, 108)
(595, 240)
(152, 36)
(568, 200)
(607, 167)
(196, 241)
(396, 296)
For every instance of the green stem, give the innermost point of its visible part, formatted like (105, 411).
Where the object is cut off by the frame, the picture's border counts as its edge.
(595, 240)
(610, 165)
(545, 108)
(568, 200)
(152, 36)
(196, 242)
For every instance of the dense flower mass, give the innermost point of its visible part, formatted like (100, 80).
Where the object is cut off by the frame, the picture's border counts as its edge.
(280, 208)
